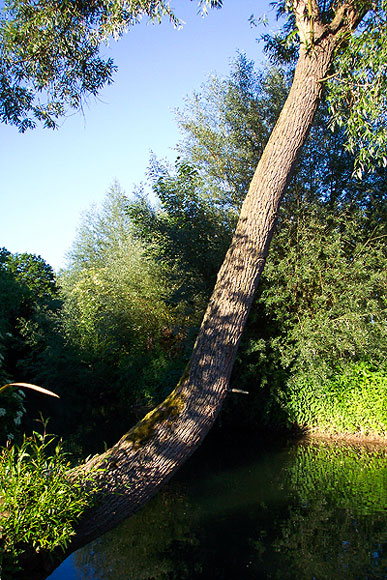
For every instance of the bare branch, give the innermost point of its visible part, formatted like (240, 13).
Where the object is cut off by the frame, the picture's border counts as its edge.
(29, 386)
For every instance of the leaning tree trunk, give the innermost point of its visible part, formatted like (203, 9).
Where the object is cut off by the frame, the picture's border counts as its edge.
(151, 452)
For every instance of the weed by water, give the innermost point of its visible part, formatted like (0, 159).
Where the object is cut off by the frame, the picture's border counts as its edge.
(39, 504)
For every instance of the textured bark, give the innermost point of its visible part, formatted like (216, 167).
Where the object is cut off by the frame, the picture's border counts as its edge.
(150, 453)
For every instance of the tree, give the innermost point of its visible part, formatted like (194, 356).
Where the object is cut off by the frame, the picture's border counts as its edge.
(27, 292)
(116, 313)
(319, 309)
(198, 397)
(226, 126)
(50, 54)
(188, 231)
(149, 454)
(115, 342)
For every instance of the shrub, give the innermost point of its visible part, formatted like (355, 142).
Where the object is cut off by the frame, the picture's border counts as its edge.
(352, 401)
(39, 505)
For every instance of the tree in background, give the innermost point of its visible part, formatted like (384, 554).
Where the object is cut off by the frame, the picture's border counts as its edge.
(186, 230)
(326, 216)
(114, 295)
(323, 299)
(118, 323)
(28, 295)
(226, 126)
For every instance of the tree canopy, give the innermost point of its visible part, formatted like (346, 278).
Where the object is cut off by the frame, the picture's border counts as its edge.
(50, 53)
(51, 59)
(357, 81)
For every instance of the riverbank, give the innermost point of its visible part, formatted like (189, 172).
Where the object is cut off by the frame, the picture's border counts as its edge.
(371, 441)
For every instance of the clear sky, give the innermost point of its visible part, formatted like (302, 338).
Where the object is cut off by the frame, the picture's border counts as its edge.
(47, 178)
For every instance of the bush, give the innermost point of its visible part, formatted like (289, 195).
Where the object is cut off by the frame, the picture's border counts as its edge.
(39, 505)
(11, 413)
(352, 401)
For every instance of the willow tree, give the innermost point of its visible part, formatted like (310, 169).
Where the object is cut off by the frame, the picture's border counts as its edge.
(340, 41)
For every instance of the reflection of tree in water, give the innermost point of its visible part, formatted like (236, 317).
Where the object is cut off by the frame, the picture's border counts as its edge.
(311, 512)
(336, 529)
(325, 544)
(141, 548)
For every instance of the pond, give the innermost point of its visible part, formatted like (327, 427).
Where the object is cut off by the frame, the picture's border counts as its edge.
(296, 511)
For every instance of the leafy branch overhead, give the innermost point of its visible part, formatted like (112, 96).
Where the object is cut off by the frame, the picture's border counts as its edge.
(357, 91)
(50, 53)
(356, 86)
(51, 61)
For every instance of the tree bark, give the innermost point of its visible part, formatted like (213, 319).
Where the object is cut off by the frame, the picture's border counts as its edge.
(150, 453)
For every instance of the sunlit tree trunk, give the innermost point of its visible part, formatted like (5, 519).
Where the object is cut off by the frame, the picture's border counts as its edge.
(148, 455)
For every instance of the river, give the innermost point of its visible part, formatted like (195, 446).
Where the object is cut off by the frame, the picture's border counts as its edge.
(256, 510)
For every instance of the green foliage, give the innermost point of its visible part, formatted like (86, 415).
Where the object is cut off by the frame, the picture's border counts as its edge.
(50, 54)
(353, 401)
(319, 319)
(321, 304)
(356, 85)
(116, 344)
(28, 297)
(12, 410)
(118, 304)
(27, 282)
(102, 229)
(326, 282)
(357, 90)
(187, 232)
(225, 128)
(114, 295)
(32, 272)
(39, 503)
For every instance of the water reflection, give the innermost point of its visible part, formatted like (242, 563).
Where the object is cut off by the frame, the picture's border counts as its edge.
(336, 522)
(303, 512)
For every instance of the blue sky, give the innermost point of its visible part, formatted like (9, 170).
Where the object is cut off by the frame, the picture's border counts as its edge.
(49, 177)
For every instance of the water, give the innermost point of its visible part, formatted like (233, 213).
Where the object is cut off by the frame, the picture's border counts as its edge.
(270, 511)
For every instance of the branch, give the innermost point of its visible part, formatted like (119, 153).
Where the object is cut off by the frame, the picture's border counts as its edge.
(29, 386)
(349, 15)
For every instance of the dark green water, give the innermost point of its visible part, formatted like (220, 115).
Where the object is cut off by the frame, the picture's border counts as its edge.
(313, 512)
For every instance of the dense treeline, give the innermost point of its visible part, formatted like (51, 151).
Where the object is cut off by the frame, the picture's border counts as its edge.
(28, 296)
(115, 330)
